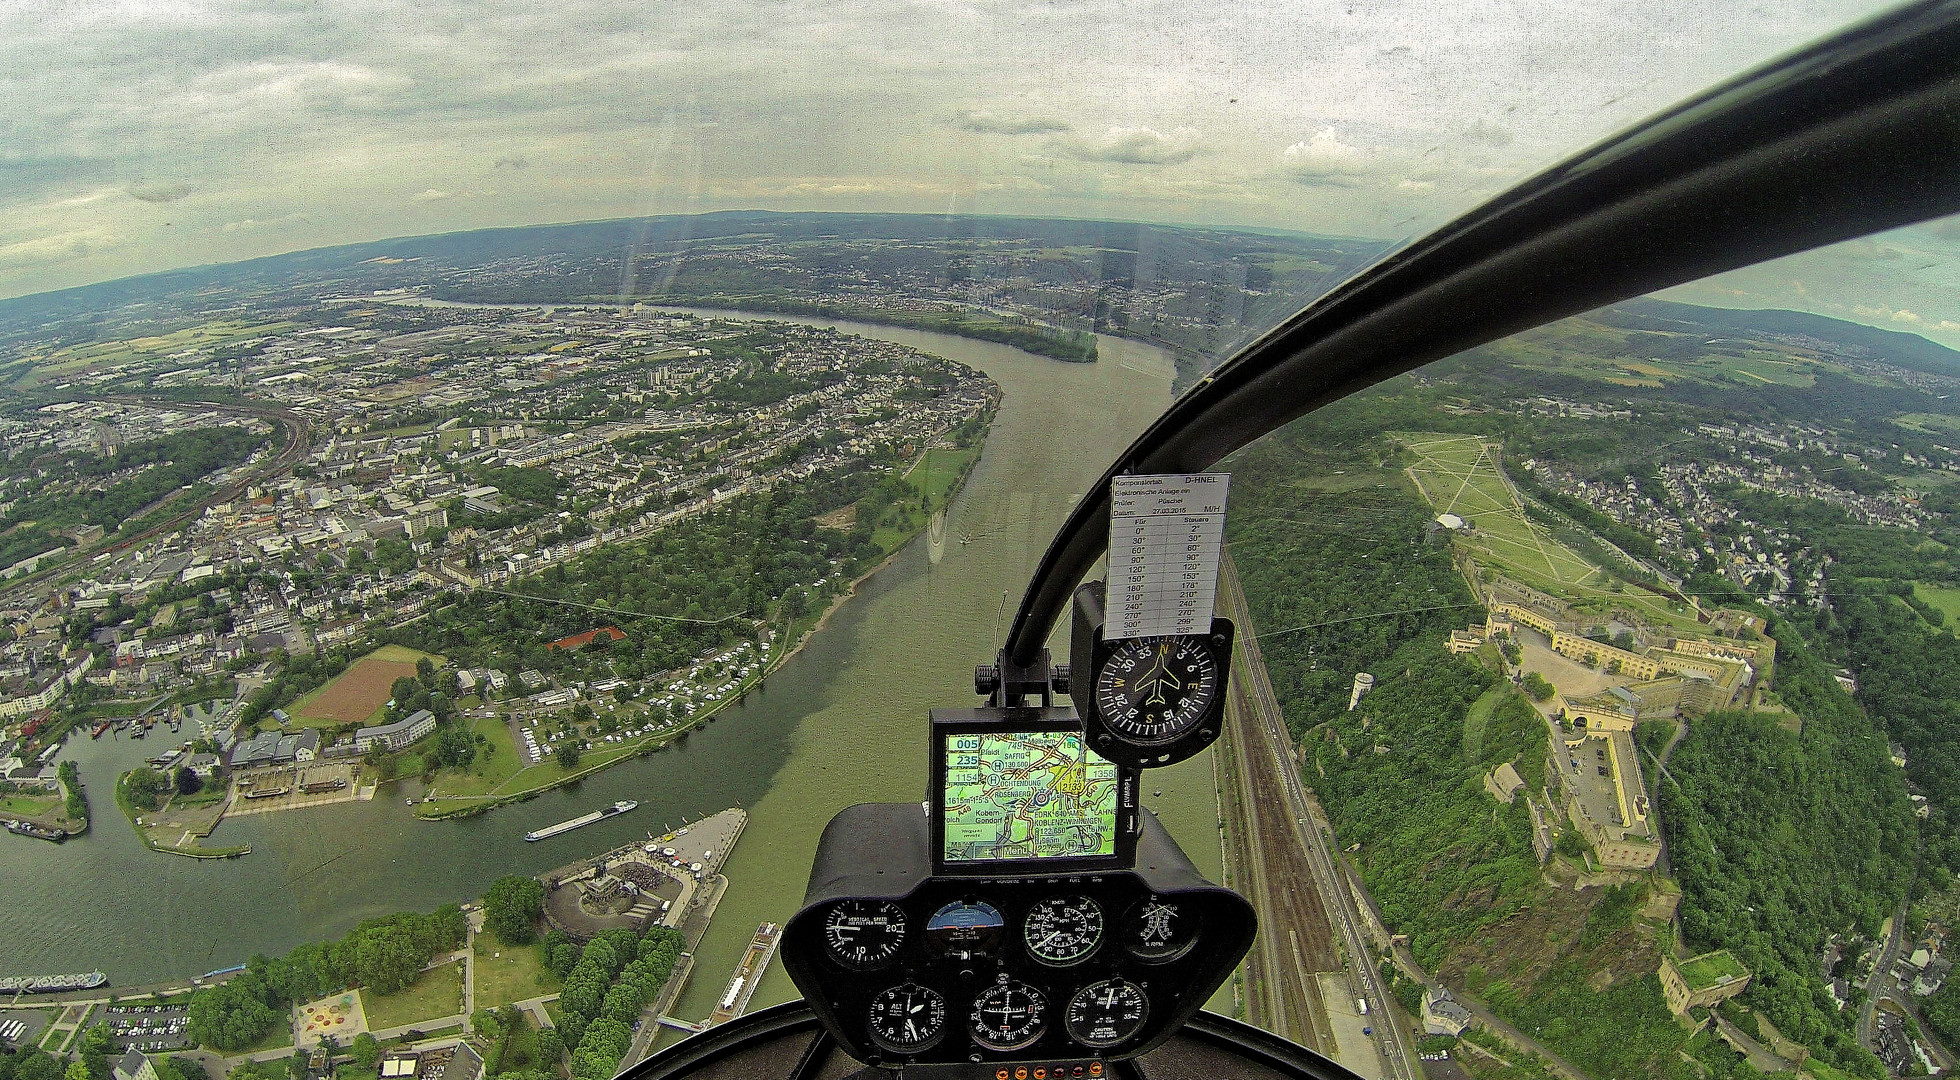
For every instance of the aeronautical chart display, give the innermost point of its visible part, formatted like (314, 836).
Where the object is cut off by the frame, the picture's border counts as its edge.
(1027, 795)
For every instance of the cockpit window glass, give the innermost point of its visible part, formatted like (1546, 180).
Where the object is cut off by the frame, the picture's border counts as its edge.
(481, 485)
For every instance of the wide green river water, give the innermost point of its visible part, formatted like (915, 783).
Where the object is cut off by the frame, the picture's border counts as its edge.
(841, 722)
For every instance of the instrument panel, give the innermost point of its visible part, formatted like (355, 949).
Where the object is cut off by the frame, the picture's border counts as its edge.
(1067, 969)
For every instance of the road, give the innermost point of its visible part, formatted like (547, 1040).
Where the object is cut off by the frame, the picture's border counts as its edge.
(1881, 984)
(1285, 848)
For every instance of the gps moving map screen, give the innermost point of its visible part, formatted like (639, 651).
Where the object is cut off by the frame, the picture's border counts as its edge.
(1016, 795)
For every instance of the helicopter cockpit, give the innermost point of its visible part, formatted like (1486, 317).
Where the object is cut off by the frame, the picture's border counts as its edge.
(1029, 918)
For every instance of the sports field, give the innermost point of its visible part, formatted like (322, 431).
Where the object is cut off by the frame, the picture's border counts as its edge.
(357, 694)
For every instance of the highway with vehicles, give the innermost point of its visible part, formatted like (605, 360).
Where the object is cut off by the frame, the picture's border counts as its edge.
(1281, 845)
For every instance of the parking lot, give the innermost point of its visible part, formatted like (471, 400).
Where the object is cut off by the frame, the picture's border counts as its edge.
(149, 1028)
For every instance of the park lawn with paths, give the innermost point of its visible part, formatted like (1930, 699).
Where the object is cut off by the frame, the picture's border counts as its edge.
(509, 974)
(1463, 475)
(1460, 474)
(434, 995)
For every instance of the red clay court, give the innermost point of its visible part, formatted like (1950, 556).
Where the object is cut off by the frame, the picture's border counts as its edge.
(580, 641)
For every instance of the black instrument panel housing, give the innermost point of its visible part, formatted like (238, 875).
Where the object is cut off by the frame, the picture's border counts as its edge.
(882, 851)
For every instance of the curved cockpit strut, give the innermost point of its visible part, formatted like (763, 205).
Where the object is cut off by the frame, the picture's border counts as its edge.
(1030, 919)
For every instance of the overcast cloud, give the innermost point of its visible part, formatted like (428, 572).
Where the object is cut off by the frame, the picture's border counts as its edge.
(146, 134)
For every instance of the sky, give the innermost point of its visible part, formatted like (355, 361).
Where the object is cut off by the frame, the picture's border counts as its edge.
(140, 135)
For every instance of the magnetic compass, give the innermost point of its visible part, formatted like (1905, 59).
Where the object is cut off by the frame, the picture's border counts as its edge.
(863, 933)
(1146, 701)
(907, 1018)
(1155, 689)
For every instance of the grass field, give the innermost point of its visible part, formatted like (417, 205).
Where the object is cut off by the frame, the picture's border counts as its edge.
(1478, 716)
(1464, 475)
(281, 1035)
(1460, 474)
(437, 994)
(1947, 600)
(486, 773)
(507, 973)
(932, 479)
(359, 693)
(31, 806)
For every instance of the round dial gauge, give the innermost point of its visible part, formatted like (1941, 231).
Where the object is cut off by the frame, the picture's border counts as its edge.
(907, 1018)
(1155, 689)
(965, 931)
(1157, 931)
(1106, 1013)
(1007, 1015)
(864, 934)
(1063, 929)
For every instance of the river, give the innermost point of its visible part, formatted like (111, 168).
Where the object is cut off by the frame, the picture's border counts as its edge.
(841, 722)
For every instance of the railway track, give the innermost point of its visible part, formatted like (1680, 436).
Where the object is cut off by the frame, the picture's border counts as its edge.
(297, 444)
(1309, 924)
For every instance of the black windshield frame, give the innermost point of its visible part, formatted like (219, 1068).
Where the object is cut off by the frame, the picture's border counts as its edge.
(1844, 138)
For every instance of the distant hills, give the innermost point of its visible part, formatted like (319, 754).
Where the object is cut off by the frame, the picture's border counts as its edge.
(1116, 250)
(1906, 350)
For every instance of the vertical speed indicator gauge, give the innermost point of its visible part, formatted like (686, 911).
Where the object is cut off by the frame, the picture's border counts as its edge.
(863, 934)
(1156, 689)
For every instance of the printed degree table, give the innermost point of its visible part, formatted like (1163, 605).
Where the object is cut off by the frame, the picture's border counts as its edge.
(1165, 533)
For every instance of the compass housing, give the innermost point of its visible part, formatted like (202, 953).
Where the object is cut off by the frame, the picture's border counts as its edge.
(1186, 728)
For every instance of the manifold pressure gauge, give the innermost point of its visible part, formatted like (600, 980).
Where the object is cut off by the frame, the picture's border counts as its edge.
(1147, 701)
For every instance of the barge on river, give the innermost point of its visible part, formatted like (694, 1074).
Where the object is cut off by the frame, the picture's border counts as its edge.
(37, 831)
(748, 974)
(614, 810)
(52, 984)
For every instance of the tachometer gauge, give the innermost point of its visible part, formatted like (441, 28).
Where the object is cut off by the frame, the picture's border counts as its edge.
(964, 931)
(1063, 930)
(907, 1018)
(1106, 1013)
(863, 933)
(1157, 931)
(1155, 689)
(1008, 1015)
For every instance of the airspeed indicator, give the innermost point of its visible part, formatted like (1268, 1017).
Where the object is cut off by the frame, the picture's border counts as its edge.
(1063, 930)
